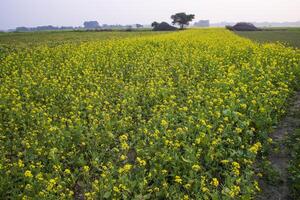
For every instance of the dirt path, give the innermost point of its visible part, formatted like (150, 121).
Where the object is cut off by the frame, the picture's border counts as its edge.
(279, 158)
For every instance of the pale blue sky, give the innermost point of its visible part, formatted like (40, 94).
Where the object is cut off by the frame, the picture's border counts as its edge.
(73, 12)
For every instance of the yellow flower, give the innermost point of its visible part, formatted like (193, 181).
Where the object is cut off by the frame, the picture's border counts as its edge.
(185, 108)
(94, 93)
(236, 165)
(262, 110)
(39, 177)
(257, 186)
(28, 187)
(238, 130)
(243, 106)
(125, 168)
(123, 137)
(123, 157)
(270, 140)
(236, 168)
(205, 189)
(234, 191)
(164, 123)
(178, 179)
(224, 161)
(124, 146)
(67, 171)
(42, 194)
(116, 189)
(87, 195)
(255, 148)
(51, 184)
(20, 164)
(89, 107)
(215, 182)
(25, 197)
(165, 184)
(187, 186)
(52, 181)
(86, 168)
(196, 167)
(28, 174)
(141, 162)
(123, 187)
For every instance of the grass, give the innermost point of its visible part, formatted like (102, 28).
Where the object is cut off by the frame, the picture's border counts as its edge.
(289, 36)
(294, 168)
(293, 143)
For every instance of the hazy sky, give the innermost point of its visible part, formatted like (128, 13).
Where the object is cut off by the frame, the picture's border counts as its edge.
(15, 13)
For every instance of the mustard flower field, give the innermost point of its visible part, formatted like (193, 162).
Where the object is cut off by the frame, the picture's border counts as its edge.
(181, 115)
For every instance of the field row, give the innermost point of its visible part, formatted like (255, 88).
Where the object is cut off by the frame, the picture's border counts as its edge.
(175, 116)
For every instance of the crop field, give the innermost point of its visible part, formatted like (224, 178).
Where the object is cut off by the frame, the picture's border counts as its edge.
(181, 115)
(16, 41)
(25, 39)
(289, 36)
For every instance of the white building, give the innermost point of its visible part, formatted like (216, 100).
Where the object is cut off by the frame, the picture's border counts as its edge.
(202, 23)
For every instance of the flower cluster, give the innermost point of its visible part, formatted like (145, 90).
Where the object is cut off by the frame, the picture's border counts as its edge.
(178, 115)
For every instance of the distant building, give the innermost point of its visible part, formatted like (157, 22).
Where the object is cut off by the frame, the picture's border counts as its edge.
(202, 23)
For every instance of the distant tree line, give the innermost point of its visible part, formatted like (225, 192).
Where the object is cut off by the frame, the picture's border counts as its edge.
(87, 25)
(91, 25)
(43, 28)
(181, 19)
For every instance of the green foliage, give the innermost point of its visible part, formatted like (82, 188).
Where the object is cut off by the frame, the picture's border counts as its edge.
(270, 175)
(289, 36)
(55, 38)
(182, 19)
(171, 116)
(154, 24)
(294, 168)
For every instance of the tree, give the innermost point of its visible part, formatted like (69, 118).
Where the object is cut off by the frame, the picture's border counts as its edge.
(182, 19)
(22, 29)
(243, 26)
(163, 26)
(91, 25)
(154, 24)
(139, 26)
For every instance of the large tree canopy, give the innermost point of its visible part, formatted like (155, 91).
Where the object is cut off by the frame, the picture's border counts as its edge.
(154, 24)
(91, 25)
(163, 26)
(182, 19)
